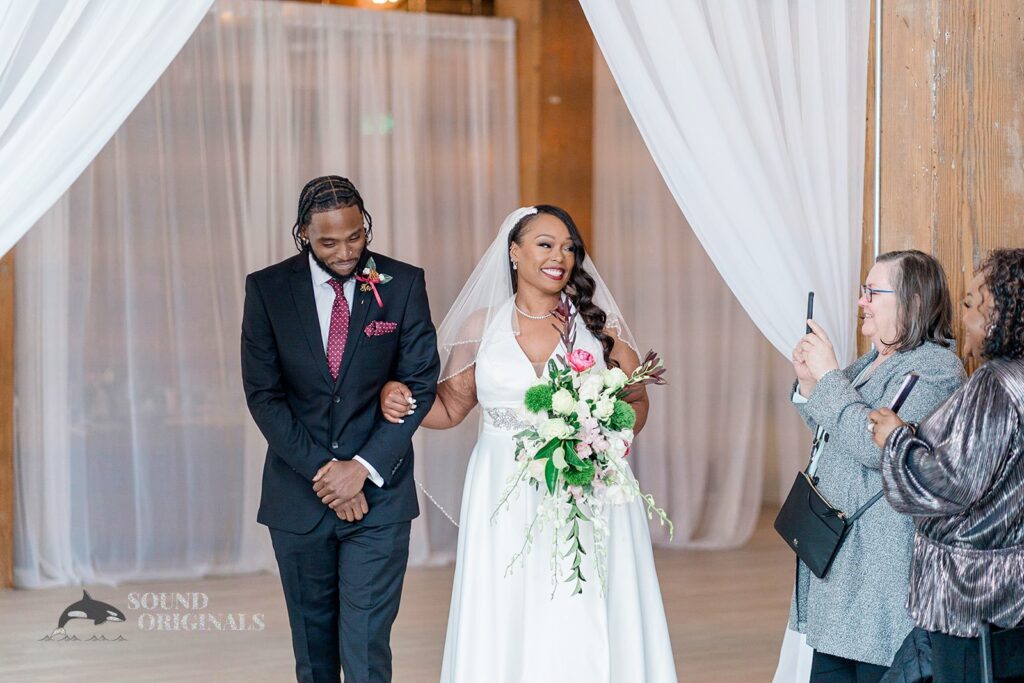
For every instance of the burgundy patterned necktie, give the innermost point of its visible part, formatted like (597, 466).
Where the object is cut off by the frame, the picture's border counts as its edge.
(338, 333)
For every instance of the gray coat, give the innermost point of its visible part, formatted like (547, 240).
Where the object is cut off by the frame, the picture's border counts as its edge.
(858, 610)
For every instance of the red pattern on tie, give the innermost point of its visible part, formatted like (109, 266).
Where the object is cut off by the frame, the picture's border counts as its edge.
(338, 333)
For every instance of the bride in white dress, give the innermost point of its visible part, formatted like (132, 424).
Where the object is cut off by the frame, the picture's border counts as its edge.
(504, 625)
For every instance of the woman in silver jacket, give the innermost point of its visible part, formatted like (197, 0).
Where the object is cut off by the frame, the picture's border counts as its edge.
(854, 617)
(960, 475)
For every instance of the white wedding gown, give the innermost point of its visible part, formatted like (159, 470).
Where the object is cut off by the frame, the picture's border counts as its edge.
(508, 628)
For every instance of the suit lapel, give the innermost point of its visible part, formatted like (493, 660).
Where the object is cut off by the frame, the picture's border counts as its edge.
(360, 309)
(305, 305)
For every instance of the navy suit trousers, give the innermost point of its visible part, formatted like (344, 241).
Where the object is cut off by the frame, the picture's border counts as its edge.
(342, 583)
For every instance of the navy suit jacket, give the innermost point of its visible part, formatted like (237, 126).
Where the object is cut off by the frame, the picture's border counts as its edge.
(306, 417)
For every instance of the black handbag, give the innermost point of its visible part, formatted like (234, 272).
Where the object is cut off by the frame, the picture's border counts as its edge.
(812, 526)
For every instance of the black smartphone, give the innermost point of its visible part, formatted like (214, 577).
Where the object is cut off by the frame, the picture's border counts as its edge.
(909, 380)
(810, 309)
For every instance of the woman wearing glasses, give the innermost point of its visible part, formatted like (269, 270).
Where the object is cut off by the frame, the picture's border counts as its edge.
(854, 617)
(960, 474)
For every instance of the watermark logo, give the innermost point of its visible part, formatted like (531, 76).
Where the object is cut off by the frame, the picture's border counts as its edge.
(153, 611)
(188, 612)
(90, 610)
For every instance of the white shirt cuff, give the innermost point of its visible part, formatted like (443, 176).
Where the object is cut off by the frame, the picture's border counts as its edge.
(798, 397)
(374, 475)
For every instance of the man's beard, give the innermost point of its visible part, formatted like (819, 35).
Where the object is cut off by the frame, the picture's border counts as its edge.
(335, 275)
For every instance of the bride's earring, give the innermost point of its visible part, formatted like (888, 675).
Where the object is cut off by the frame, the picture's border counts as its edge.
(515, 265)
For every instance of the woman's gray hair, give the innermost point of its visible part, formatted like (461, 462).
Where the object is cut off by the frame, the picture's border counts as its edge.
(922, 293)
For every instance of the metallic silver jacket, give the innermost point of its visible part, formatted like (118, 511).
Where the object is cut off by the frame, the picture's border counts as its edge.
(961, 477)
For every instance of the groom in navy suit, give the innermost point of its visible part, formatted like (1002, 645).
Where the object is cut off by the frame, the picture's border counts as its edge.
(322, 332)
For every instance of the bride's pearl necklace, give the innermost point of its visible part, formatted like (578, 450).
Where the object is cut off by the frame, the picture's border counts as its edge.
(532, 317)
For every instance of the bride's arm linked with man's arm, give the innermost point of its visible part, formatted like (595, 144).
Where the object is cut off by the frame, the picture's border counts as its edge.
(456, 396)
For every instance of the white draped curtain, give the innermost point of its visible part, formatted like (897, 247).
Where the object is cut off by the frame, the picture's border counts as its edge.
(754, 113)
(70, 72)
(722, 426)
(136, 457)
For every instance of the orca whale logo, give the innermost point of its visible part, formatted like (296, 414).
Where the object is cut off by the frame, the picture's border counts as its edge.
(87, 608)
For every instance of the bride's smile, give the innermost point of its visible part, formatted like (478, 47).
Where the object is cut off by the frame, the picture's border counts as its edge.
(543, 256)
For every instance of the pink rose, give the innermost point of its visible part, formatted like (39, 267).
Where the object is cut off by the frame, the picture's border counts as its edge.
(580, 360)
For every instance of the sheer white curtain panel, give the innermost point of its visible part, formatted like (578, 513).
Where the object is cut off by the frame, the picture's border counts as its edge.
(136, 456)
(754, 113)
(70, 73)
(722, 427)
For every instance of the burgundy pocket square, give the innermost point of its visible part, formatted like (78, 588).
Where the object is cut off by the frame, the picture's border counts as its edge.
(379, 328)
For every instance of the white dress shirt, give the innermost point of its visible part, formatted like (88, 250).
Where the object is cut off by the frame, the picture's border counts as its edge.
(323, 294)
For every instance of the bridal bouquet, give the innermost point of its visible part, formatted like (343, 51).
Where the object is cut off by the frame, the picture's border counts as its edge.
(575, 451)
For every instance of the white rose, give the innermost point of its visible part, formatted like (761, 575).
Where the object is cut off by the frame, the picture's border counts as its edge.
(616, 448)
(591, 388)
(562, 402)
(603, 408)
(614, 379)
(555, 428)
(558, 458)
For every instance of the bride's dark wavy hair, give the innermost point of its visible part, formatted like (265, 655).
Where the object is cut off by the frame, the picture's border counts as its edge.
(580, 287)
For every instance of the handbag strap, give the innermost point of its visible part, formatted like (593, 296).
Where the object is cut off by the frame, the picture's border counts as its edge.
(820, 438)
(863, 508)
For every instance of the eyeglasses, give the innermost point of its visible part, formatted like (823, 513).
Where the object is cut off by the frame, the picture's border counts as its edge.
(867, 292)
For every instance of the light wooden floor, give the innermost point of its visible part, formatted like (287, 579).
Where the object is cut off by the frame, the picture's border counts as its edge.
(726, 612)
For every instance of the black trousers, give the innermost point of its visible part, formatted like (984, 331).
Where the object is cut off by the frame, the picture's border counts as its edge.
(832, 669)
(957, 660)
(342, 585)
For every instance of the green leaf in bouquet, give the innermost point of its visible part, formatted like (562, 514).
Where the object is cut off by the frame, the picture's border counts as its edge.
(553, 372)
(547, 449)
(570, 455)
(551, 477)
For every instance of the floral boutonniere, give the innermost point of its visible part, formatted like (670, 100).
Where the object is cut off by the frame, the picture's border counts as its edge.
(371, 278)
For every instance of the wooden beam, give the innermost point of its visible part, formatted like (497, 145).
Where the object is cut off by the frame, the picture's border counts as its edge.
(555, 74)
(952, 156)
(464, 7)
(867, 244)
(7, 420)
